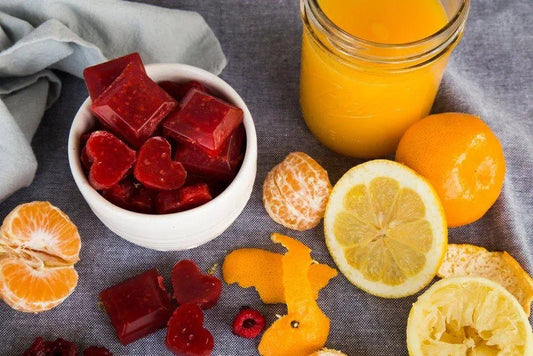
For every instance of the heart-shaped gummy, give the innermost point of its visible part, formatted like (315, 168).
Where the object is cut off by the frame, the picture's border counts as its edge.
(192, 286)
(111, 159)
(155, 168)
(185, 334)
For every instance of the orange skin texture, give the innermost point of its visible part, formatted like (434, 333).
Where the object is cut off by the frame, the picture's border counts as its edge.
(311, 333)
(463, 160)
(261, 269)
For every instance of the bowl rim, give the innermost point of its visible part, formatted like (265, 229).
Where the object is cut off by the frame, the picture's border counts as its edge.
(194, 73)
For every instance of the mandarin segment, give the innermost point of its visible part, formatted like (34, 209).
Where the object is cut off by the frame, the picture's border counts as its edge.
(39, 245)
(41, 227)
(295, 192)
(28, 289)
(305, 328)
(261, 269)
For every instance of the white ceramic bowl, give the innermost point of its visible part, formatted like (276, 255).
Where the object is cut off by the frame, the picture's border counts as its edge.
(186, 229)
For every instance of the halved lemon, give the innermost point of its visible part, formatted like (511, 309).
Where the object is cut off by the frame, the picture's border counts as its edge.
(468, 316)
(386, 229)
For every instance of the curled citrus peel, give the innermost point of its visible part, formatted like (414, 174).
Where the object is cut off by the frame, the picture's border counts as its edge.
(305, 328)
(261, 269)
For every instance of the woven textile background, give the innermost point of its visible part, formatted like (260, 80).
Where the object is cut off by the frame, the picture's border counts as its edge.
(490, 74)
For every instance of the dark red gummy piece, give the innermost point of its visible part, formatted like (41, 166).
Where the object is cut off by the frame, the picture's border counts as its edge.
(155, 167)
(100, 76)
(111, 159)
(222, 167)
(248, 323)
(179, 90)
(85, 160)
(97, 351)
(192, 286)
(131, 195)
(59, 347)
(138, 306)
(185, 334)
(133, 105)
(204, 121)
(185, 198)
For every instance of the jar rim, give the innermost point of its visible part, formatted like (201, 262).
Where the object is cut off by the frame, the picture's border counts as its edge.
(350, 45)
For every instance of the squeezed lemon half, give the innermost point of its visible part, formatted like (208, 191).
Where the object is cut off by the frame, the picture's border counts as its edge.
(468, 316)
(386, 229)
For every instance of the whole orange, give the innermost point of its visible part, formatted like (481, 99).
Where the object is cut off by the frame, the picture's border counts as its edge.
(463, 160)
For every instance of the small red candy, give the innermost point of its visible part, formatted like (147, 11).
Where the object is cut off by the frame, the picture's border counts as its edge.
(221, 167)
(100, 76)
(204, 121)
(131, 195)
(59, 347)
(97, 351)
(189, 197)
(248, 323)
(179, 90)
(186, 335)
(155, 167)
(111, 159)
(138, 306)
(133, 105)
(192, 286)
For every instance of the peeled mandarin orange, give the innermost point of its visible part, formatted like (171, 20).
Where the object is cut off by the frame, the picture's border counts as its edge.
(38, 247)
(463, 160)
(468, 316)
(26, 288)
(41, 227)
(261, 269)
(295, 192)
(305, 328)
(385, 228)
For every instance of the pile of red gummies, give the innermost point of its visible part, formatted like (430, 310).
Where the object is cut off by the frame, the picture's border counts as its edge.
(158, 147)
(141, 305)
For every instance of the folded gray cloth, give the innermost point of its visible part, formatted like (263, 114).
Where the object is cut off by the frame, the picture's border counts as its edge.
(69, 35)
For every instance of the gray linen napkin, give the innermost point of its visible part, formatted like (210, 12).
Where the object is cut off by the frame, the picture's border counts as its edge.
(69, 35)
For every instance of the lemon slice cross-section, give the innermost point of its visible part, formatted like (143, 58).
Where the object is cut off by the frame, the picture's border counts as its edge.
(386, 229)
(468, 316)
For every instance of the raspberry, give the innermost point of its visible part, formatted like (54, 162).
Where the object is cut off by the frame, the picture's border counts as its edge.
(248, 323)
(97, 351)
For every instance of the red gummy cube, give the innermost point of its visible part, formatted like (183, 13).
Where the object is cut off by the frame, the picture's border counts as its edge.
(204, 121)
(192, 286)
(133, 105)
(111, 159)
(138, 306)
(131, 195)
(186, 198)
(186, 335)
(100, 76)
(222, 167)
(155, 168)
(179, 90)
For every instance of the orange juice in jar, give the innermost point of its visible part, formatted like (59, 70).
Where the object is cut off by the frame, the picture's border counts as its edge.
(370, 68)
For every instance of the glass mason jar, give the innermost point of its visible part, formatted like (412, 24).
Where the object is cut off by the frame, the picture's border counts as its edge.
(358, 97)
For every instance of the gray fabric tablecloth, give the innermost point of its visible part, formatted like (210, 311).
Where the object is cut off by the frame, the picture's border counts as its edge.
(490, 74)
